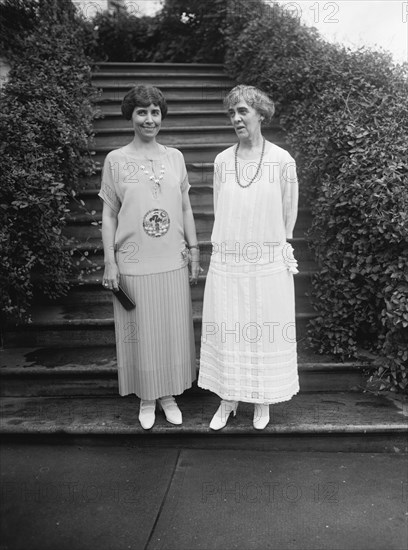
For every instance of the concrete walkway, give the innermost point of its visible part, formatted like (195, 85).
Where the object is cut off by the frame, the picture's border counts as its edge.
(72, 497)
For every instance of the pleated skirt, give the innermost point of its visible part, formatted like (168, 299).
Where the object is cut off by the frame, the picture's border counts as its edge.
(155, 341)
(248, 343)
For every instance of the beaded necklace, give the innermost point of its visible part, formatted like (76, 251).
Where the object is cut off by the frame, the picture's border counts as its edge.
(257, 170)
(153, 178)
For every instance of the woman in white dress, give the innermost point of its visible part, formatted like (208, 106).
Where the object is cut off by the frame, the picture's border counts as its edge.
(248, 345)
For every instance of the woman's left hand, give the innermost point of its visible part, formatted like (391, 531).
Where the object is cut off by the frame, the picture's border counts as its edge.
(195, 268)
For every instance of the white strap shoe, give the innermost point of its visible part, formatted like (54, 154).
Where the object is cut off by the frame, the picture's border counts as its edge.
(261, 416)
(147, 414)
(172, 412)
(220, 418)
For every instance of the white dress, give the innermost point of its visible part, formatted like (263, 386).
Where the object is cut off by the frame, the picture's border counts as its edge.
(248, 342)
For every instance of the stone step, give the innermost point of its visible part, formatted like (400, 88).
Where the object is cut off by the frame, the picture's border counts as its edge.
(201, 196)
(177, 135)
(87, 290)
(92, 254)
(108, 104)
(85, 228)
(191, 68)
(81, 302)
(131, 78)
(199, 173)
(215, 117)
(193, 152)
(73, 304)
(87, 202)
(341, 421)
(67, 325)
(211, 91)
(92, 371)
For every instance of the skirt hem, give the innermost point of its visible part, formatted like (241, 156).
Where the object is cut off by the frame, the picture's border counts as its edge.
(173, 393)
(246, 400)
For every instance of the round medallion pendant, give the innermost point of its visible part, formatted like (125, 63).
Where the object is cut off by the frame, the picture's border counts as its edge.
(156, 222)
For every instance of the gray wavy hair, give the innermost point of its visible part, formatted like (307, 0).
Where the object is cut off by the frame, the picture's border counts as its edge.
(256, 98)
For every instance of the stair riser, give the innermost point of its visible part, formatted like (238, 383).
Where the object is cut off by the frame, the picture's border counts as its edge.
(77, 385)
(95, 262)
(332, 441)
(159, 80)
(187, 119)
(193, 153)
(94, 335)
(196, 176)
(107, 104)
(212, 93)
(95, 258)
(175, 137)
(84, 232)
(206, 154)
(95, 294)
(192, 119)
(199, 198)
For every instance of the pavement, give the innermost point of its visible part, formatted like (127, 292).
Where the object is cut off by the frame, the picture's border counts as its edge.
(124, 496)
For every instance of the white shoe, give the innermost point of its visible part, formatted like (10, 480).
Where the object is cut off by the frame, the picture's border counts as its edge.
(147, 414)
(261, 416)
(172, 412)
(220, 418)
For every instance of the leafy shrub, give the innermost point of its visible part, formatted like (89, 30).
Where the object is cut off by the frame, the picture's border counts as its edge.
(191, 31)
(183, 31)
(121, 36)
(45, 124)
(346, 118)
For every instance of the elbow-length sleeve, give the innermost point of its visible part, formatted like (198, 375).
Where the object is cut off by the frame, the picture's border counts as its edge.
(185, 184)
(108, 191)
(216, 183)
(290, 195)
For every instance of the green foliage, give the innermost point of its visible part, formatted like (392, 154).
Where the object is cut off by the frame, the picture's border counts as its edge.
(121, 36)
(346, 117)
(183, 31)
(45, 123)
(191, 31)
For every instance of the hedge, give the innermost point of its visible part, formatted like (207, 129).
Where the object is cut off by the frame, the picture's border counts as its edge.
(346, 119)
(181, 32)
(45, 123)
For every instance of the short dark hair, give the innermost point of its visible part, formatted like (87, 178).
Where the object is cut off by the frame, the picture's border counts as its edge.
(255, 97)
(142, 96)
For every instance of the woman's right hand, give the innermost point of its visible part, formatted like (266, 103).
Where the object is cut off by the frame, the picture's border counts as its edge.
(110, 278)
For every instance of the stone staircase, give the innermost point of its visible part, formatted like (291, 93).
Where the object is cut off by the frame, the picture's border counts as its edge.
(59, 372)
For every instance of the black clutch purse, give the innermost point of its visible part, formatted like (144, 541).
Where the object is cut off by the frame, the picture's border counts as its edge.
(124, 299)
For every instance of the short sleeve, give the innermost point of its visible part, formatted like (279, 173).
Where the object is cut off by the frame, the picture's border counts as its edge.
(108, 189)
(185, 184)
(290, 194)
(216, 183)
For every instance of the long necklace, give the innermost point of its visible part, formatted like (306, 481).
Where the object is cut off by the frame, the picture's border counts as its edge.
(153, 178)
(257, 170)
